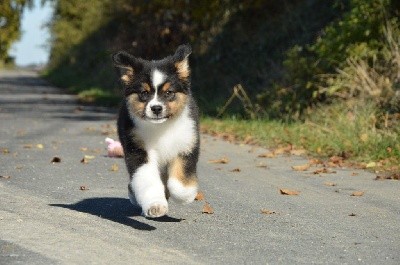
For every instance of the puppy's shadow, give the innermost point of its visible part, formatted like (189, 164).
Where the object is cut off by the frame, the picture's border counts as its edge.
(114, 209)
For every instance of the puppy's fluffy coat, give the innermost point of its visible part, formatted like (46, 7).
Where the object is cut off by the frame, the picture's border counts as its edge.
(158, 129)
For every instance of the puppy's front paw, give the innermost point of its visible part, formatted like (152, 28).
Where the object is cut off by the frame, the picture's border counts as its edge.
(156, 210)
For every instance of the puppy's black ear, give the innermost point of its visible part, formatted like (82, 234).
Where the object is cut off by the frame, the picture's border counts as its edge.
(181, 61)
(127, 66)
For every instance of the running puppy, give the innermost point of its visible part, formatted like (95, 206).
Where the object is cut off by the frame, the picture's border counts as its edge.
(159, 130)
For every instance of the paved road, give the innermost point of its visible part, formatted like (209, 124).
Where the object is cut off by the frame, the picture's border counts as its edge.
(45, 217)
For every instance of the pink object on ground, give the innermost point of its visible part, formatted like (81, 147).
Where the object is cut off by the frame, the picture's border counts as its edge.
(114, 148)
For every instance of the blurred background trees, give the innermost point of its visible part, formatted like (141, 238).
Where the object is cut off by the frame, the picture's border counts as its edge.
(10, 25)
(288, 55)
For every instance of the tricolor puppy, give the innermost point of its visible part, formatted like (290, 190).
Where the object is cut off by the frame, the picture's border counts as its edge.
(158, 129)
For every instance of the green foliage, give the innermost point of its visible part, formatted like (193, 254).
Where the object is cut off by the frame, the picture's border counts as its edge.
(354, 129)
(10, 16)
(356, 45)
(283, 53)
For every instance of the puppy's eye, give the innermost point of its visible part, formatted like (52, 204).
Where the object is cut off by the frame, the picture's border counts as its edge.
(170, 95)
(144, 95)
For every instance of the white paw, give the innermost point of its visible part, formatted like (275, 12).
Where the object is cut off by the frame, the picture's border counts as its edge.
(156, 209)
(181, 193)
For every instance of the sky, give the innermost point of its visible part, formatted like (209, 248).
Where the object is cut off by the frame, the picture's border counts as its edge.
(32, 47)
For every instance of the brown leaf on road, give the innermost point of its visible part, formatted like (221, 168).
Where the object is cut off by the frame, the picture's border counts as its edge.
(283, 150)
(114, 167)
(265, 211)
(5, 177)
(5, 151)
(357, 193)
(199, 196)
(331, 184)
(298, 152)
(323, 170)
(336, 160)
(83, 187)
(267, 155)
(222, 160)
(207, 209)
(56, 159)
(289, 192)
(390, 175)
(28, 146)
(315, 161)
(262, 165)
(301, 167)
(352, 214)
(236, 170)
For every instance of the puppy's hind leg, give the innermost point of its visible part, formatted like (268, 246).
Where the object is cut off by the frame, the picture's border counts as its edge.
(182, 181)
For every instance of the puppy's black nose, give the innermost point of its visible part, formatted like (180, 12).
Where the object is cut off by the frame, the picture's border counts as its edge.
(156, 109)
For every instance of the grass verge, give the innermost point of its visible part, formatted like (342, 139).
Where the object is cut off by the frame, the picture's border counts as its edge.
(353, 130)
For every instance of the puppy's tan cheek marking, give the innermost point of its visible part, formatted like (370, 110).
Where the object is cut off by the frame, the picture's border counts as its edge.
(134, 105)
(176, 106)
(182, 69)
(177, 171)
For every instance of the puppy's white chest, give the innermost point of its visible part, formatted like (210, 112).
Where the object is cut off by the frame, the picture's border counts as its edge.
(167, 140)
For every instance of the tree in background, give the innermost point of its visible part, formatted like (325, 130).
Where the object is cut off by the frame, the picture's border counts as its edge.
(10, 24)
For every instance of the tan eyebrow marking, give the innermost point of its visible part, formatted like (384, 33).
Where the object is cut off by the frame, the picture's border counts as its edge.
(166, 86)
(146, 87)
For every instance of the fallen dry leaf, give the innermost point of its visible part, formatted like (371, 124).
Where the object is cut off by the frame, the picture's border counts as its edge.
(289, 192)
(207, 209)
(28, 146)
(114, 167)
(331, 184)
(315, 161)
(199, 196)
(5, 151)
(283, 150)
(354, 174)
(323, 170)
(236, 170)
(222, 160)
(83, 188)
(357, 193)
(391, 175)
(39, 146)
(83, 149)
(267, 155)
(56, 159)
(5, 177)
(301, 167)
(335, 161)
(265, 211)
(262, 165)
(84, 161)
(352, 214)
(298, 152)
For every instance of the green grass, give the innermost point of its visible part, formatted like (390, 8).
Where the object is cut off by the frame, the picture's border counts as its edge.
(99, 96)
(355, 131)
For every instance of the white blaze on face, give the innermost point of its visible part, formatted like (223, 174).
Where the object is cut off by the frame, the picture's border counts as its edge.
(157, 78)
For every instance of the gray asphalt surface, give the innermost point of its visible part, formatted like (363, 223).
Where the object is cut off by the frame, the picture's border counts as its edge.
(45, 217)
